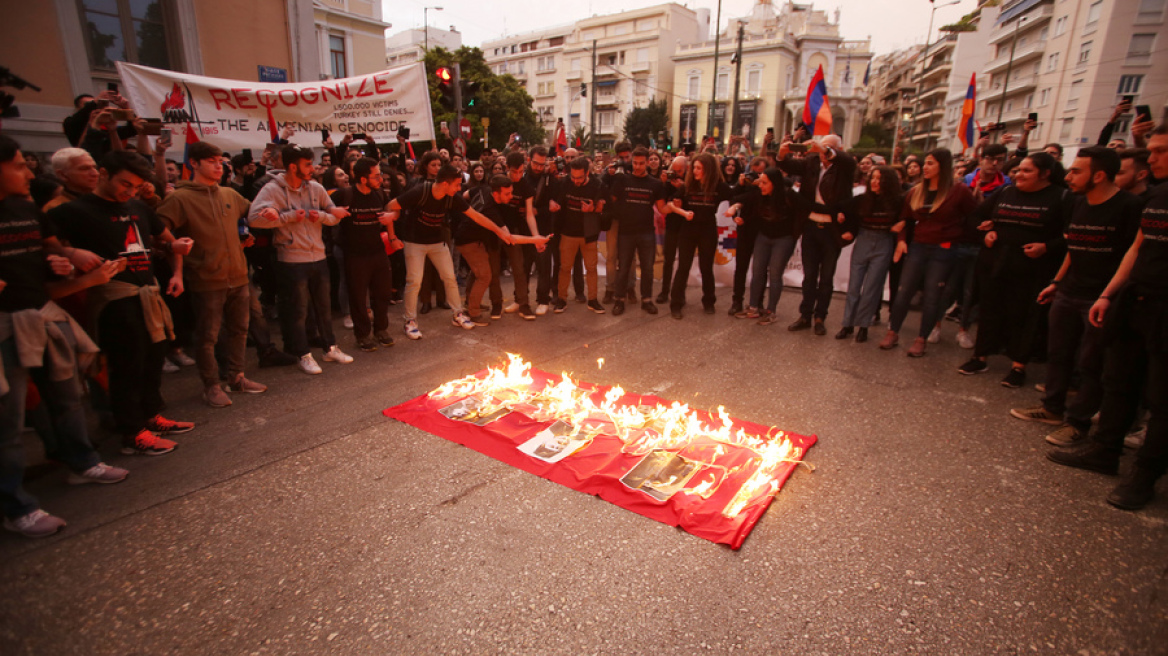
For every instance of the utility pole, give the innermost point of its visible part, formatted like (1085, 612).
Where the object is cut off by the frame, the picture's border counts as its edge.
(734, 126)
(714, 95)
(458, 99)
(592, 119)
(1009, 67)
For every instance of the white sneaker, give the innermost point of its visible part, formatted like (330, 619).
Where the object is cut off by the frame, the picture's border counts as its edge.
(347, 322)
(36, 524)
(99, 473)
(335, 354)
(935, 336)
(463, 321)
(169, 367)
(412, 330)
(181, 359)
(964, 340)
(309, 365)
(542, 309)
(511, 308)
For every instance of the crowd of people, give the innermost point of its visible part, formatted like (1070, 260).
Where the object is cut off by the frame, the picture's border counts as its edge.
(118, 264)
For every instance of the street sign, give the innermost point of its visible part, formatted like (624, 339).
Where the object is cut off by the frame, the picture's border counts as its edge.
(486, 121)
(464, 128)
(460, 146)
(272, 74)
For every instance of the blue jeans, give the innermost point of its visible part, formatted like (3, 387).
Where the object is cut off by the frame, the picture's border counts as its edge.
(771, 255)
(871, 257)
(926, 267)
(72, 445)
(304, 283)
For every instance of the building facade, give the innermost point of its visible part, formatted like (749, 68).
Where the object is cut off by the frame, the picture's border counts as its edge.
(781, 51)
(892, 88)
(69, 48)
(409, 46)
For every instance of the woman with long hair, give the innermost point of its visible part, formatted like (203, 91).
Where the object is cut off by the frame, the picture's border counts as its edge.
(769, 205)
(879, 209)
(654, 164)
(697, 202)
(935, 212)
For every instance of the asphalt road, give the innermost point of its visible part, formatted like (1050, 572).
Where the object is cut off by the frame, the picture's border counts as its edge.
(302, 521)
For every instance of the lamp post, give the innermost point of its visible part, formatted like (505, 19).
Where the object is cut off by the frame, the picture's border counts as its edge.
(924, 65)
(426, 23)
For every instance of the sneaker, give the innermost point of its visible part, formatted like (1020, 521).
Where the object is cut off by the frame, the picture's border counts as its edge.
(274, 357)
(1136, 490)
(169, 367)
(649, 306)
(973, 366)
(160, 425)
(1041, 387)
(460, 320)
(367, 344)
(526, 313)
(676, 313)
(309, 366)
(36, 524)
(595, 307)
(181, 358)
(580, 298)
(845, 332)
(496, 311)
(559, 306)
(1015, 379)
(347, 322)
(735, 308)
(935, 335)
(964, 340)
(891, 339)
(383, 338)
(99, 473)
(917, 350)
(608, 296)
(618, 308)
(480, 320)
(766, 318)
(1135, 439)
(146, 443)
(511, 308)
(1037, 413)
(335, 354)
(541, 309)
(412, 330)
(1091, 457)
(1066, 435)
(748, 313)
(662, 298)
(802, 323)
(215, 397)
(243, 385)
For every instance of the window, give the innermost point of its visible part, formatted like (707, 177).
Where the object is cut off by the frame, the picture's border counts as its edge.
(121, 30)
(1065, 131)
(1085, 52)
(1052, 62)
(1029, 101)
(605, 120)
(1093, 13)
(1009, 106)
(641, 85)
(622, 57)
(1139, 51)
(575, 65)
(1151, 11)
(642, 55)
(790, 77)
(1060, 26)
(514, 48)
(1044, 97)
(723, 85)
(1074, 94)
(1045, 32)
(753, 82)
(337, 56)
(1129, 84)
(522, 66)
(694, 86)
(620, 30)
(646, 24)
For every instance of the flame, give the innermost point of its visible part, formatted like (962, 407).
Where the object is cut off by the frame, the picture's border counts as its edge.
(599, 363)
(641, 429)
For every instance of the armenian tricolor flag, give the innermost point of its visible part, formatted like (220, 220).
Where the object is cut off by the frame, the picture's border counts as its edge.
(966, 126)
(188, 171)
(816, 111)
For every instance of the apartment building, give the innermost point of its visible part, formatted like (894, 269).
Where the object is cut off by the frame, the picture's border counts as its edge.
(409, 46)
(632, 51)
(892, 87)
(781, 51)
(69, 47)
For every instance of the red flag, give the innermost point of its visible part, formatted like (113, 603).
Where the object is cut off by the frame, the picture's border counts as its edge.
(561, 139)
(272, 130)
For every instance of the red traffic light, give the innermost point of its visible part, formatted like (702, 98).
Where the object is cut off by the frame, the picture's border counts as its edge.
(444, 74)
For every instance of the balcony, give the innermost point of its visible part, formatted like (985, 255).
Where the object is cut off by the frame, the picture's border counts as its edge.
(1019, 85)
(934, 90)
(1034, 18)
(1022, 54)
(606, 99)
(640, 67)
(574, 75)
(606, 130)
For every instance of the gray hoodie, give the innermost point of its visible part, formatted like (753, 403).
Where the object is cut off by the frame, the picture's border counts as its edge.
(295, 240)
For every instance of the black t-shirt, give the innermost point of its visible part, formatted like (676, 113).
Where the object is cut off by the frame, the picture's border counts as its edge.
(772, 216)
(633, 199)
(1027, 217)
(875, 213)
(468, 231)
(1150, 273)
(572, 221)
(542, 186)
(426, 215)
(111, 230)
(1097, 239)
(703, 205)
(23, 266)
(515, 214)
(360, 232)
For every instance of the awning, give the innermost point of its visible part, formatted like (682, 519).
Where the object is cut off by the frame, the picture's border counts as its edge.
(607, 83)
(1015, 11)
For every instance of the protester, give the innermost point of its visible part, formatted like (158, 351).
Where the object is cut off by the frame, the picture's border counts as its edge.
(675, 178)
(697, 202)
(878, 209)
(633, 197)
(771, 207)
(579, 201)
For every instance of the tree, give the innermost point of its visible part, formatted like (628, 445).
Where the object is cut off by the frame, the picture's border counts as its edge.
(644, 123)
(582, 136)
(874, 135)
(502, 99)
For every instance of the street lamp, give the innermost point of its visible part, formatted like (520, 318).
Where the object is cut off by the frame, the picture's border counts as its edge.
(924, 64)
(1009, 67)
(426, 22)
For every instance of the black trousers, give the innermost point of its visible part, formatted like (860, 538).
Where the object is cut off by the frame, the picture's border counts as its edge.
(368, 276)
(135, 365)
(820, 255)
(671, 240)
(643, 246)
(1011, 317)
(701, 238)
(743, 251)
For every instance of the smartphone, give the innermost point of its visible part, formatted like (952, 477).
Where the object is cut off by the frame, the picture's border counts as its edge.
(358, 136)
(324, 135)
(111, 86)
(1128, 100)
(403, 131)
(123, 114)
(797, 147)
(1143, 110)
(164, 135)
(1033, 116)
(152, 127)
(771, 131)
(444, 125)
(247, 154)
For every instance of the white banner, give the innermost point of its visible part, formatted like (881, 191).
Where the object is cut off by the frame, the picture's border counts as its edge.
(236, 114)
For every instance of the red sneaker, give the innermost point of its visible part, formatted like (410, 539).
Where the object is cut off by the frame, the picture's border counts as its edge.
(146, 443)
(160, 425)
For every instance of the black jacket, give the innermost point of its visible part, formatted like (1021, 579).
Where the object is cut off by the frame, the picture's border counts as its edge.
(835, 185)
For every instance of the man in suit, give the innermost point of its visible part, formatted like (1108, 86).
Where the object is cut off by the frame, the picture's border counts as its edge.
(825, 176)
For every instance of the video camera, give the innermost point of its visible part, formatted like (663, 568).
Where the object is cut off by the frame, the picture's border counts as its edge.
(10, 79)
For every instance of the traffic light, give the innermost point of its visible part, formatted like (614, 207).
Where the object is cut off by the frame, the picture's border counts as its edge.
(583, 90)
(445, 76)
(470, 96)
